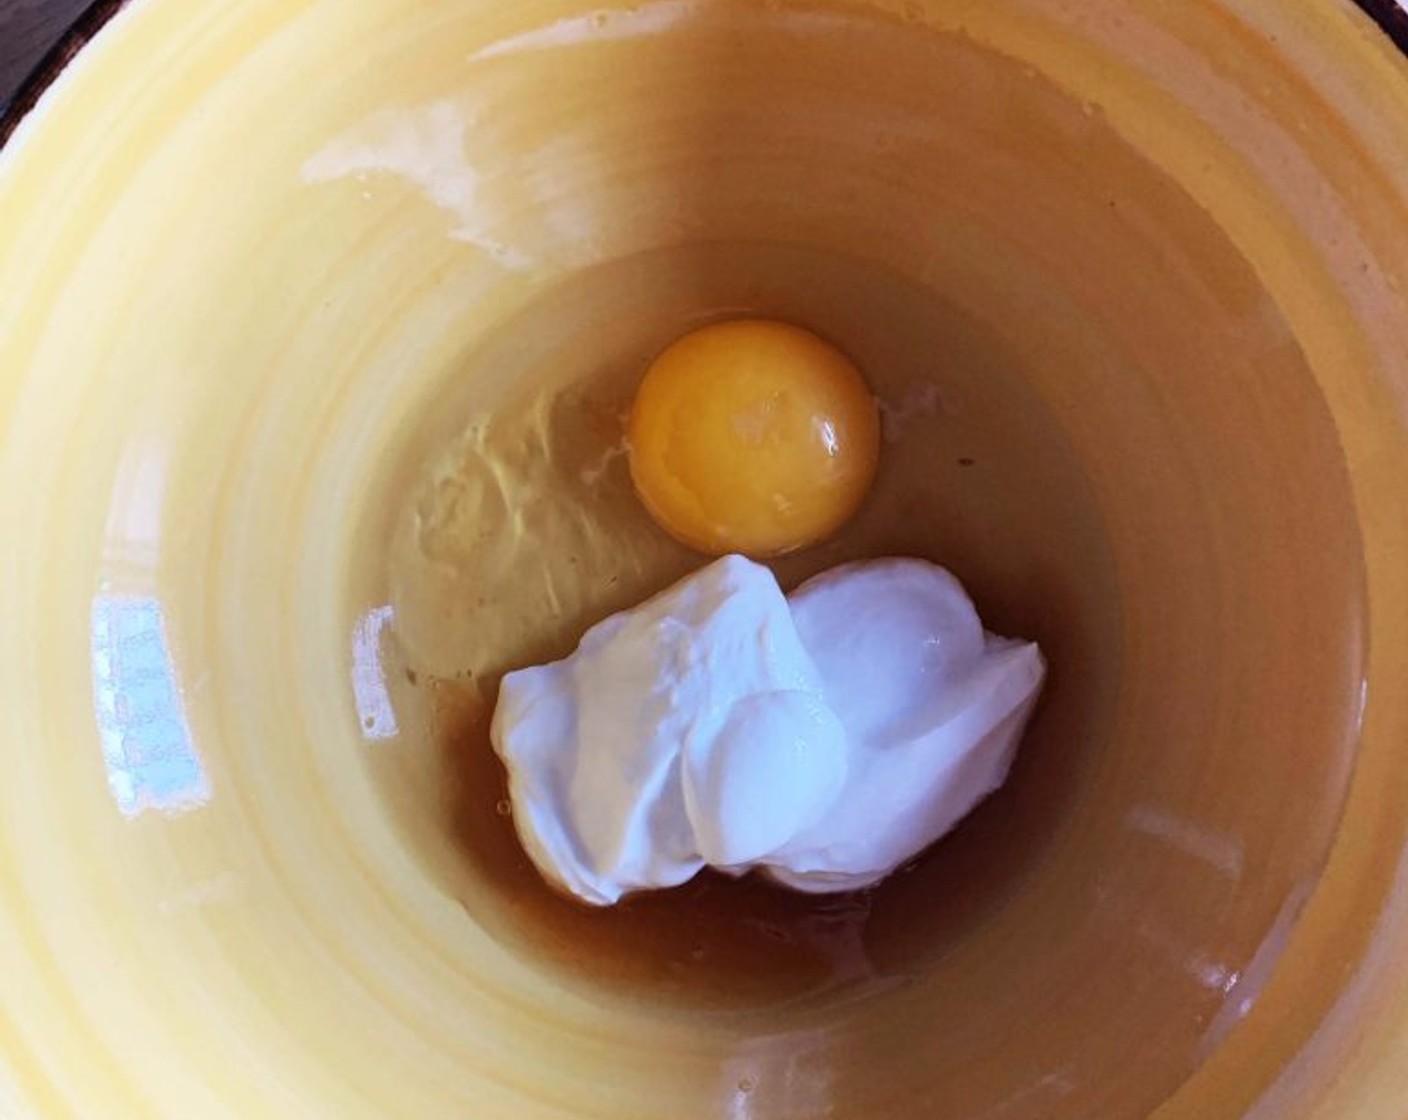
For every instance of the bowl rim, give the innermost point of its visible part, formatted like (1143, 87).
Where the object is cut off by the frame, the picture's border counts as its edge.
(1390, 16)
(77, 35)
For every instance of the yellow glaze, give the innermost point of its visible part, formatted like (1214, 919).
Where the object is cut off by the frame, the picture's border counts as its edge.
(319, 324)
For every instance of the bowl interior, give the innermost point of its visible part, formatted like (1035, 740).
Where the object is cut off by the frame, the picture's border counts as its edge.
(315, 387)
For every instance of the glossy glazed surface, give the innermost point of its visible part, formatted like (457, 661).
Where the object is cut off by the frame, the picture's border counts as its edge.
(320, 323)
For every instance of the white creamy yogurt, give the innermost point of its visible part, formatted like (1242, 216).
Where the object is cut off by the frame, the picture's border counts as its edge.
(823, 741)
(933, 709)
(689, 730)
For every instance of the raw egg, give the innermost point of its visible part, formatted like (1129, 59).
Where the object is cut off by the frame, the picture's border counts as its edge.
(753, 436)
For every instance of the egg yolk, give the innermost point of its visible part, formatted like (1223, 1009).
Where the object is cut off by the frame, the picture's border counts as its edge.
(753, 436)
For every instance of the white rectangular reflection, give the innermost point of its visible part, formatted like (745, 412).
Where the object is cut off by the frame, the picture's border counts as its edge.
(151, 760)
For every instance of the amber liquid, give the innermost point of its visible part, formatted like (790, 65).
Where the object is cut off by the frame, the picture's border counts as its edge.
(975, 474)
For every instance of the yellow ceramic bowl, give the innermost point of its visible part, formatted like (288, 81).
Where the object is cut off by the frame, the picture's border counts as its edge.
(278, 278)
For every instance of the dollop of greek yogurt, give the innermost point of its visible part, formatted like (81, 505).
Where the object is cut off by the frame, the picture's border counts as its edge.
(823, 739)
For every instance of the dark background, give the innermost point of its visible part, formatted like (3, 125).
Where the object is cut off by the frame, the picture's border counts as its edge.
(28, 28)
